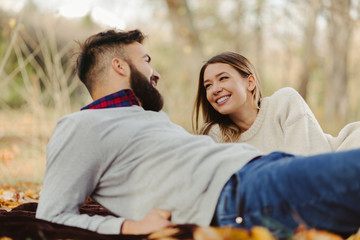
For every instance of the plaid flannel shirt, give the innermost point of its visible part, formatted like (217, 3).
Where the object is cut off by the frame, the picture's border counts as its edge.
(123, 98)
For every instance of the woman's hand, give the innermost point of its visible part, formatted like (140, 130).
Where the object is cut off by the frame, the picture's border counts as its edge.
(156, 219)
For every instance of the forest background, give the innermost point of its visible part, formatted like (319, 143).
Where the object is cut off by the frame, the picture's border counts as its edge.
(310, 45)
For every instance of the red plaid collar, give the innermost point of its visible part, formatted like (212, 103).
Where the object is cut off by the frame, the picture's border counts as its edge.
(123, 98)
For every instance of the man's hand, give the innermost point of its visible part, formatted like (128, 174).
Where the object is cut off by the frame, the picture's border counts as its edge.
(156, 219)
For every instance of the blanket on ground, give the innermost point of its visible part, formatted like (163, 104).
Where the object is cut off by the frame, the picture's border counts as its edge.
(20, 224)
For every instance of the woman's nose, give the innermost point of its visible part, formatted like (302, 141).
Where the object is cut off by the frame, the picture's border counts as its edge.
(217, 89)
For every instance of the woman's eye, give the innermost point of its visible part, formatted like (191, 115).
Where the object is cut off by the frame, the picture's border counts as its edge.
(207, 86)
(223, 78)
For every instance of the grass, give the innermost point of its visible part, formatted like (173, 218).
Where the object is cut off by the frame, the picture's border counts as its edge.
(22, 147)
(42, 79)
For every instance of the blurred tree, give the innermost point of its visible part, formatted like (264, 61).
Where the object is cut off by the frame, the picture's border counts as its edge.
(221, 25)
(189, 57)
(235, 25)
(187, 36)
(260, 4)
(313, 8)
(340, 27)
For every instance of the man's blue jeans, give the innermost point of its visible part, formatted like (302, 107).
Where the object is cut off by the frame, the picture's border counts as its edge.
(281, 191)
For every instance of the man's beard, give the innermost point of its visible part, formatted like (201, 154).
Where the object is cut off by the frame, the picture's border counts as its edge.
(147, 94)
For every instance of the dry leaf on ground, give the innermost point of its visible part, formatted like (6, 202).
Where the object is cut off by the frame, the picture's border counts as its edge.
(11, 197)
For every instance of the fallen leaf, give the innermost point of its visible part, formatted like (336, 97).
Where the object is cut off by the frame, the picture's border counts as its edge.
(164, 233)
(261, 233)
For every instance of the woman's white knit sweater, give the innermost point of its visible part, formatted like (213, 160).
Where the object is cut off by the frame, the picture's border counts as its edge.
(286, 123)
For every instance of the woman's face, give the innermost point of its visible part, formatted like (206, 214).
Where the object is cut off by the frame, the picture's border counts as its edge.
(226, 90)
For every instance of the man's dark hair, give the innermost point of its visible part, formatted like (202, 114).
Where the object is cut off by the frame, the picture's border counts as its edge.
(99, 49)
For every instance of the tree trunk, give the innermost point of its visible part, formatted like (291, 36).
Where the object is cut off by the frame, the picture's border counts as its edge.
(313, 7)
(259, 36)
(340, 29)
(237, 33)
(186, 34)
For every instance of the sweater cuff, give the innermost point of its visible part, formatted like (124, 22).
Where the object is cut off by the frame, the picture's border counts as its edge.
(111, 226)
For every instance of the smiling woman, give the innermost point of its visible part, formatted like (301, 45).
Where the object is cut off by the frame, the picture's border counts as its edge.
(228, 90)
(233, 110)
(229, 93)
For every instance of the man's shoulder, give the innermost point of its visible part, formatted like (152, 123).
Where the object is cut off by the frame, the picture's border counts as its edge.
(83, 119)
(100, 118)
(100, 113)
(75, 117)
(89, 125)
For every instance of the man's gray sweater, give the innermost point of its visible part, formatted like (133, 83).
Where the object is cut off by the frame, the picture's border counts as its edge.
(131, 161)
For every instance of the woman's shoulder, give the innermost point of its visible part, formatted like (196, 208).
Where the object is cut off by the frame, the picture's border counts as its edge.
(214, 129)
(286, 103)
(286, 92)
(286, 96)
(215, 132)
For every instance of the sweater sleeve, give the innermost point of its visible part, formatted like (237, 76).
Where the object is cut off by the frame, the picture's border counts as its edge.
(348, 137)
(302, 132)
(73, 170)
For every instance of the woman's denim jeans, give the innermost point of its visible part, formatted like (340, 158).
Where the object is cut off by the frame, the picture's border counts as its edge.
(281, 191)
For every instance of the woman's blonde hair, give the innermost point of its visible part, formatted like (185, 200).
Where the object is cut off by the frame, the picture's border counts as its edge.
(229, 131)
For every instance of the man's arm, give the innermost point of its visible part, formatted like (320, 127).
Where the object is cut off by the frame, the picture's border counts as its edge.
(73, 171)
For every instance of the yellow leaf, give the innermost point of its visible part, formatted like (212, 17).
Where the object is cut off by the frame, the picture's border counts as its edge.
(165, 233)
(206, 233)
(313, 234)
(221, 233)
(5, 238)
(355, 236)
(29, 193)
(261, 233)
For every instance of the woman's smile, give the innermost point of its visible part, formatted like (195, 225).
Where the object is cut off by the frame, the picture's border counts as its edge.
(223, 99)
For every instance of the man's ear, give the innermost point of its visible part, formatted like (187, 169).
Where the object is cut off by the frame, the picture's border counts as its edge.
(251, 83)
(120, 66)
